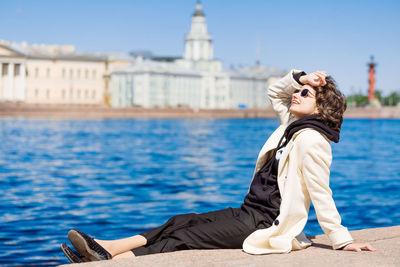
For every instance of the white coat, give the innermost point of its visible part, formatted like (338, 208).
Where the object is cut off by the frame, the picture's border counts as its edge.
(303, 175)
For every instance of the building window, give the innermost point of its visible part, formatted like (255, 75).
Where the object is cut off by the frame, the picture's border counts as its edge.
(71, 73)
(78, 94)
(48, 93)
(93, 94)
(36, 72)
(63, 94)
(78, 74)
(63, 73)
(4, 71)
(71, 93)
(36, 93)
(86, 94)
(48, 73)
(17, 69)
(86, 74)
(94, 74)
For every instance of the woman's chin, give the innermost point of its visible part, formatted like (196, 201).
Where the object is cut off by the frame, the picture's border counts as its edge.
(298, 115)
(293, 112)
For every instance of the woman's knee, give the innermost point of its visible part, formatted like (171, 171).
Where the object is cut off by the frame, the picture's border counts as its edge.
(181, 218)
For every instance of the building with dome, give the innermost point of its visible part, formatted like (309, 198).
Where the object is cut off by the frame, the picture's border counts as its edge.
(196, 80)
(60, 75)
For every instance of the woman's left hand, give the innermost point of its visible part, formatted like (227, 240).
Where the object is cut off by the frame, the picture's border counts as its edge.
(358, 247)
(316, 78)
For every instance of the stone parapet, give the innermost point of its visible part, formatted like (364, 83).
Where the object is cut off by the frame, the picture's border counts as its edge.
(385, 240)
(102, 112)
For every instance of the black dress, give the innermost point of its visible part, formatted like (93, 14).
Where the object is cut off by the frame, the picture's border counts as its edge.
(226, 228)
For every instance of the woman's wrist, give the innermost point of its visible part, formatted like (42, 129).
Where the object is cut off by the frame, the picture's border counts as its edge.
(298, 75)
(342, 247)
(303, 79)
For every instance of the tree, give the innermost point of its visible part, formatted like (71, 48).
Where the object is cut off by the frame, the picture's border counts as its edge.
(357, 100)
(378, 95)
(392, 99)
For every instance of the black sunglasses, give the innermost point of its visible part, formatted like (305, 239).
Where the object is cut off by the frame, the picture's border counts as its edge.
(304, 92)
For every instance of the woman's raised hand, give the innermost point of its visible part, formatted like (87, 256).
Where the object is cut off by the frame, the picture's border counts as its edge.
(358, 247)
(314, 79)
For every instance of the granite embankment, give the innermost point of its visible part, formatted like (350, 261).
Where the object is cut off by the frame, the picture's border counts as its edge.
(100, 112)
(385, 240)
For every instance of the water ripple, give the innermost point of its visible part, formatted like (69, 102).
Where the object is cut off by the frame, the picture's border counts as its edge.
(116, 178)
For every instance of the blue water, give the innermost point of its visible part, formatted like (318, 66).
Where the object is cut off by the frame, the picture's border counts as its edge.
(116, 178)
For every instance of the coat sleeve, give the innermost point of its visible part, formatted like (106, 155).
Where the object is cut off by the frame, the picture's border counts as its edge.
(280, 94)
(317, 158)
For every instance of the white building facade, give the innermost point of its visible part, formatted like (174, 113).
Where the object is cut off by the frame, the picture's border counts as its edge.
(12, 75)
(155, 84)
(53, 74)
(65, 81)
(196, 81)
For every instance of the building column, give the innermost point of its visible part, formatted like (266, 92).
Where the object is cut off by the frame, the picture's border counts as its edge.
(21, 93)
(9, 94)
(1, 82)
(146, 90)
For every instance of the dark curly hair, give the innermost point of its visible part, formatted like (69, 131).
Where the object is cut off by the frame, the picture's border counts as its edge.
(331, 104)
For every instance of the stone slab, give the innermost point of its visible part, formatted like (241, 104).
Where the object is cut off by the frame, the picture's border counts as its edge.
(385, 240)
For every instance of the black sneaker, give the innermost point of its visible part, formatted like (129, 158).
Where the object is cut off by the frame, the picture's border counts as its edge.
(73, 257)
(87, 247)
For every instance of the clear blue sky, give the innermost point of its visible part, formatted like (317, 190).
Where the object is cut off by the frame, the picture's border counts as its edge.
(337, 36)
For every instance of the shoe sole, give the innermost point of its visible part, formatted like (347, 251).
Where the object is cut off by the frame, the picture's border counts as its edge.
(71, 256)
(80, 244)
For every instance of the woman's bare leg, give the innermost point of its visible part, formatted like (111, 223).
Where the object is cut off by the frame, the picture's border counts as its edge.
(125, 255)
(119, 246)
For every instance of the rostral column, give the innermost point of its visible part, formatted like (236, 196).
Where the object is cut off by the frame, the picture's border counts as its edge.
(372, 100)
(371, 72)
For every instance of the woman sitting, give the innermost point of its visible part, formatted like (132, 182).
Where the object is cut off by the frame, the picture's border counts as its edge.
(292, 169)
